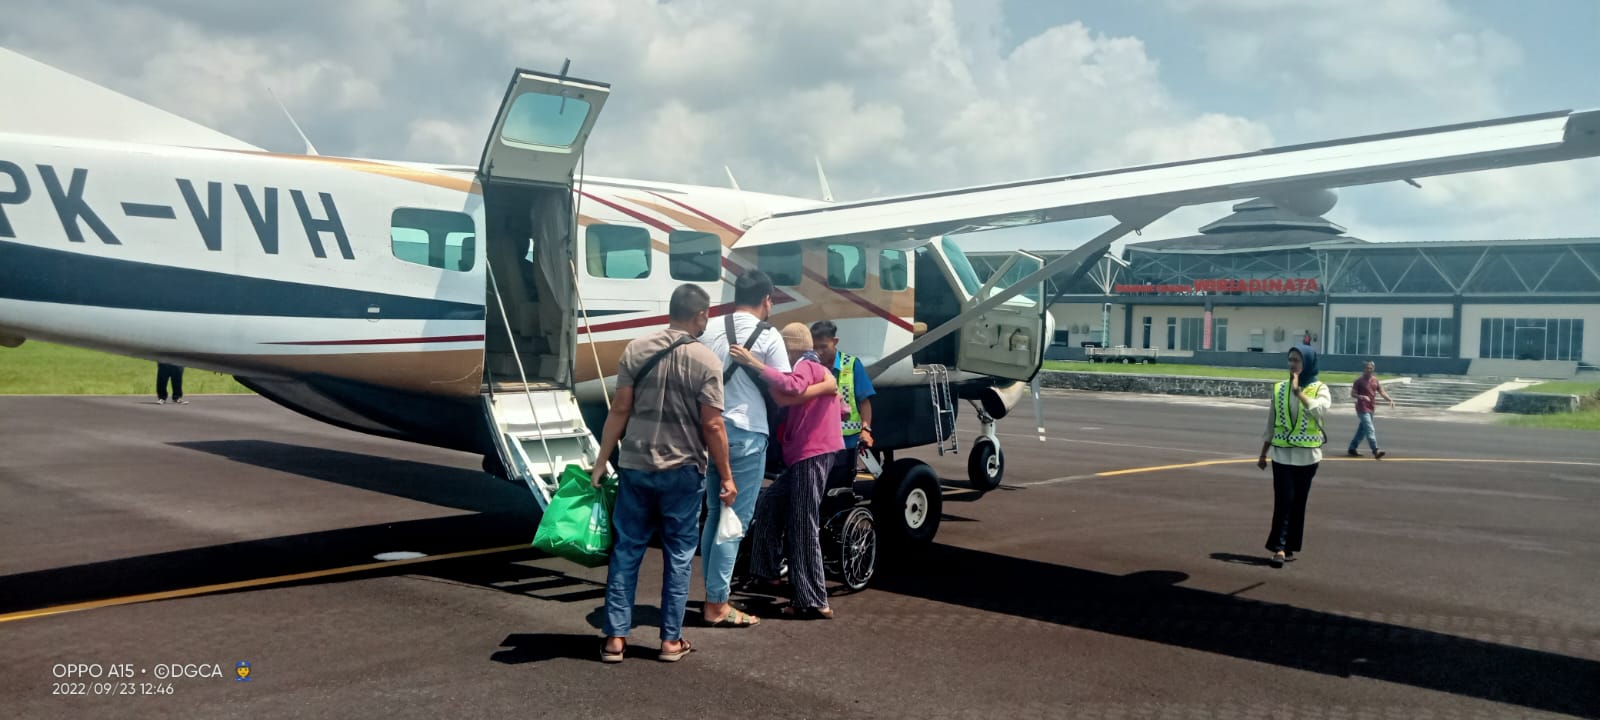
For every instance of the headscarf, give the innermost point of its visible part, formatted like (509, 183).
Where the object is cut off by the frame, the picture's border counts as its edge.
(1308, 364)
(797, 338)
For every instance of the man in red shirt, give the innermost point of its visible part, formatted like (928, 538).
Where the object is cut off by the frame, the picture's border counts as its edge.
(1366, 390)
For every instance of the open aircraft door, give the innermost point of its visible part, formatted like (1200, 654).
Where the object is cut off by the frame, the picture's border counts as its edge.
(540, 132)
(531, 231)
(1008, 340)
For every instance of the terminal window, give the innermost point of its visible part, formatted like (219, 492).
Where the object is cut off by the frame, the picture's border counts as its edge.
(1191, 337)
(1357, 336)
(1531, 339)
(1426, 337)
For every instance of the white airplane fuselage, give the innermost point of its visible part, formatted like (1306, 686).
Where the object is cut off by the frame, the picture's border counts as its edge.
(286, 271)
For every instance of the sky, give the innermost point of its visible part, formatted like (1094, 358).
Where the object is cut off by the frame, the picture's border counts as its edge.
(893, 96)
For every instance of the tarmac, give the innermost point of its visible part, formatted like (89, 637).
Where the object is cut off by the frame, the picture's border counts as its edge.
(1118, 573)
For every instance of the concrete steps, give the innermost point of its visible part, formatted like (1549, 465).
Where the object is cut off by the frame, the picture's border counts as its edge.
(1439, 392)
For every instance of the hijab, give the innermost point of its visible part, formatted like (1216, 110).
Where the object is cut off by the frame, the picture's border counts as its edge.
(1308, 364)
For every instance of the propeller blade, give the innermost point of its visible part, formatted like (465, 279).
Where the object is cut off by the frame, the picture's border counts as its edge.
(1038, 407)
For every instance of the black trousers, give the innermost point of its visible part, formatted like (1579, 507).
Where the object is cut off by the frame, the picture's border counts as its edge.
(1291, 486)
(164, 373)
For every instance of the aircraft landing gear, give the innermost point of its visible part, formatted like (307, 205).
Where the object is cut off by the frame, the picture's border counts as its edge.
(493, 466)
(907, 502)
(986, 466)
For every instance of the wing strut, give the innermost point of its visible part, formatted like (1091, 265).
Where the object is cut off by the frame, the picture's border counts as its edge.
(1079, 260)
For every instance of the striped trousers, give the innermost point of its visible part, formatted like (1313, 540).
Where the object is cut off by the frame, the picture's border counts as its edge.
(786, 525)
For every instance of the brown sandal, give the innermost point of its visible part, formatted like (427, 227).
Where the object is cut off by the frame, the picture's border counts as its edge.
(684, 648)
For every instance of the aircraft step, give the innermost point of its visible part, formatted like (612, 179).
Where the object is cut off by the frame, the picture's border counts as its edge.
(538, 434)
(517, 387)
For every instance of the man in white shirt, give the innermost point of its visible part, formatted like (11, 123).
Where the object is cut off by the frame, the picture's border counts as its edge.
(744, 411)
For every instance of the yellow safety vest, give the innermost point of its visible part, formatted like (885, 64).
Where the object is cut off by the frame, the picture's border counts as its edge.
(1292, 426)
(847, 388)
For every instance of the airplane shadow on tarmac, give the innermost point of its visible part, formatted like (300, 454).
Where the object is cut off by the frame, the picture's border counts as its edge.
(1147, 605)
(1151, 606)
(440, 485)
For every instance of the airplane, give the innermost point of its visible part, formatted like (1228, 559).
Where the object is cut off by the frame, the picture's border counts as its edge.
(483, 307)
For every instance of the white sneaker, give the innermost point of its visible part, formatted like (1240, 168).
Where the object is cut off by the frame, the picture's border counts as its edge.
(180, 402)
(159, 401)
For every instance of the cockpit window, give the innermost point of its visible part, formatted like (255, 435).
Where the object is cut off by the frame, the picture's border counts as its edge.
(959, 263)
(892, 271)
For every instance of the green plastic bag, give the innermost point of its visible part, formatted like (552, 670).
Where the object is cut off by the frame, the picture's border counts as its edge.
(577, 524)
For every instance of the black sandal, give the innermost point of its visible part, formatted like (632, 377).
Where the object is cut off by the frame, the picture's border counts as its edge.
(810, 613)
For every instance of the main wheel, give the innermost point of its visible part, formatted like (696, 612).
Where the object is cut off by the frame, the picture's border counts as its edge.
(986, 466)
(493, 466)
(907, 502)
(858, 548)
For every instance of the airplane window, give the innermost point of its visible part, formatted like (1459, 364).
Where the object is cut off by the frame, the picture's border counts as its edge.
(782, 263)
(547, 120)
(436, 238)
(694, 256)
(847, 267)
(617, 251)
(959, 263)
(892, 270)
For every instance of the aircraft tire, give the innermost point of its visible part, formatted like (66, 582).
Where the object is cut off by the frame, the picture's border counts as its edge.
(986, 465)
(493, 466)
(907, 503)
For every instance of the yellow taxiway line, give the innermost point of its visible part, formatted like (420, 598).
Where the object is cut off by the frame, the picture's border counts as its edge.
(242, 584)
(352, 569)
(1239, 461)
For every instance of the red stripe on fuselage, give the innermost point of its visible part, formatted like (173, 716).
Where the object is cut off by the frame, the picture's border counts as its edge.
(386, 341)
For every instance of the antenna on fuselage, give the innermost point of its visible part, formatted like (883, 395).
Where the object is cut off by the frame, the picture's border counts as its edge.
(731, 180)
(310, 149)
(827, 194)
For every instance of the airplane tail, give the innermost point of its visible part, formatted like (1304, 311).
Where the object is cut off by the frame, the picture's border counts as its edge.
(44, 100)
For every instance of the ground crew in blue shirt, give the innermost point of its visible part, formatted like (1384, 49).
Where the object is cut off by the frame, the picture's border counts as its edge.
(856, 389)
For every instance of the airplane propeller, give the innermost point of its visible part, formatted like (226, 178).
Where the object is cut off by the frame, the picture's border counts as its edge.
(1038, 406)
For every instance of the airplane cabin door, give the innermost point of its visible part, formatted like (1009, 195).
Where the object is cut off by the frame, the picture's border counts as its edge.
(541, 129)
(1008, 340)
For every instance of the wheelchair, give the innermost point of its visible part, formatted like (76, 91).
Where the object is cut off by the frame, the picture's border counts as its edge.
(847, 533)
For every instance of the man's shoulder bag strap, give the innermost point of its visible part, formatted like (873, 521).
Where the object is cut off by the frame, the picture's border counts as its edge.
(749, 344)
(650, 364)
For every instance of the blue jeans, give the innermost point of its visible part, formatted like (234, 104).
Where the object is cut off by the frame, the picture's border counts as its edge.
(646, 501)
(747, 456)
(1364, 430)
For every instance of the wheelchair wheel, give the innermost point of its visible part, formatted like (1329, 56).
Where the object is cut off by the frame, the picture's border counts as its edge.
(857, 543)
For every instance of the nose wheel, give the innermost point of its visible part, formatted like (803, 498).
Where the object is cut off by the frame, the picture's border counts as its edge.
(986, 465)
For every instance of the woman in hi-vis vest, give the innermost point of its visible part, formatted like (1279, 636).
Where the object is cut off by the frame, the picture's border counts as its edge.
(1294, 437)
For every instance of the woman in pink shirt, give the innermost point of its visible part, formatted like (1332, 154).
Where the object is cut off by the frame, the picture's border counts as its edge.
(786, 521)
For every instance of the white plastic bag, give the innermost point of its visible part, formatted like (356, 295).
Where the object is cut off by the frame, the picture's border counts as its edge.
(729, 529)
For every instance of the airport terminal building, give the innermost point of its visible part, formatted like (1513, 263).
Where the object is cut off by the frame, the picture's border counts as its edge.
(1262, 279)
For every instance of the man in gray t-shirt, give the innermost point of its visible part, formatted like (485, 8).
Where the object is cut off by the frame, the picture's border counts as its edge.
(669, 401)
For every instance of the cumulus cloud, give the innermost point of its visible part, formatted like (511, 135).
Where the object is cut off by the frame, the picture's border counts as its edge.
(894, 96)
(1349, 68)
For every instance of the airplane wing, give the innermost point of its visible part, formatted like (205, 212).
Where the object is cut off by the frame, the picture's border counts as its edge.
(43, 100)
(1299, 170)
